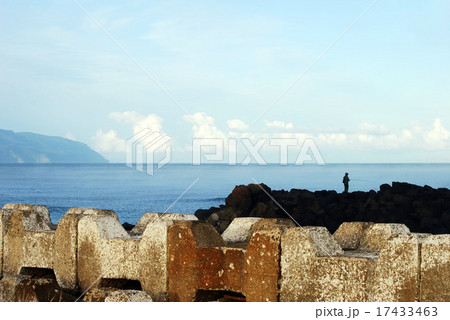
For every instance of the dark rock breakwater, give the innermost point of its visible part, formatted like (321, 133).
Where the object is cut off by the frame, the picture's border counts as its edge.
(422, 209)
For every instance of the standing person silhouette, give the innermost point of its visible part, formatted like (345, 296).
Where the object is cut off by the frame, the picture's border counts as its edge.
(345, 181)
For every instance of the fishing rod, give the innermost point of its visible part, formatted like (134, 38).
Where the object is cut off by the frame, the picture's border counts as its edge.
(362, 180)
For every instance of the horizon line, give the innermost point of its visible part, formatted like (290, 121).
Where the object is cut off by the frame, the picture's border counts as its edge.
(224, 163)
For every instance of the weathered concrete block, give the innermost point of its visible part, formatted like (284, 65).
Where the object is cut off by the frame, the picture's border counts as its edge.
(173, 256)
(128, 296)
(376, 236)
(38, 217)
(435, 269)
(151, 217)
(349, 234)
(201, 261)
(65, 251)
(153, 251)
(29, 239)
(153, 255)
(262, 264)
(107, 251)
(66, 245)
(314, 268)
(397, 271)
(97, 294)
(4, 222)
(241, 229)
(196, 261)
(395, 275)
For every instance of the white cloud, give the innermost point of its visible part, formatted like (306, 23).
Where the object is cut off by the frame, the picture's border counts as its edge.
(438, 137)
(367, 137)
(108, 142)
(279, 124)
(237, 124)
(138, 121)
(204, 126)
(373, 129)
(334, 139)
(381, 138)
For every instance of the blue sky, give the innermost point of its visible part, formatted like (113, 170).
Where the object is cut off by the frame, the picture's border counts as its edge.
(380, 94)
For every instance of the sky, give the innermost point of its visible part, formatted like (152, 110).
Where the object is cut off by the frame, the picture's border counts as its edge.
(372, 91)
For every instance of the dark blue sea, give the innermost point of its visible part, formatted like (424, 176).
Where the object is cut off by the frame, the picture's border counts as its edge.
(131, 193)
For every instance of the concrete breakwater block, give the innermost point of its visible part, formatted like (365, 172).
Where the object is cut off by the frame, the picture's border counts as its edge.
(107, 252)
(397, 270)
(376, 236)
(396, 273)
(128, 296)
(350, 234)
(28, 239)
(87, 246)
(201, 261)
(435, 269)
(241, 229)
(383, 263)
(262, 264)
(177, 258)
(66, 245)
(196, 261)
(105, 294)
(315, 268)
(97, 294)
(151, 217)
(4, 221)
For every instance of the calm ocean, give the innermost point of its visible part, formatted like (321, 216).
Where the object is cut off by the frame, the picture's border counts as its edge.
(130, 193)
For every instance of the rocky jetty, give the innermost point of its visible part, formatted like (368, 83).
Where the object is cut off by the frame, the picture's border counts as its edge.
(422, 209)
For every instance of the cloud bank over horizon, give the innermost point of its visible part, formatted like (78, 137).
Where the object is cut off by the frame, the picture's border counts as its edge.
(367, 137)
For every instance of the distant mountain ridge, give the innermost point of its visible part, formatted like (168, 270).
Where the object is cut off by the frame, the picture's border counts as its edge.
(27, 147)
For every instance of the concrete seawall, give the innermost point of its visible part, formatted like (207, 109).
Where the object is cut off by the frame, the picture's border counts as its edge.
(89, 256)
